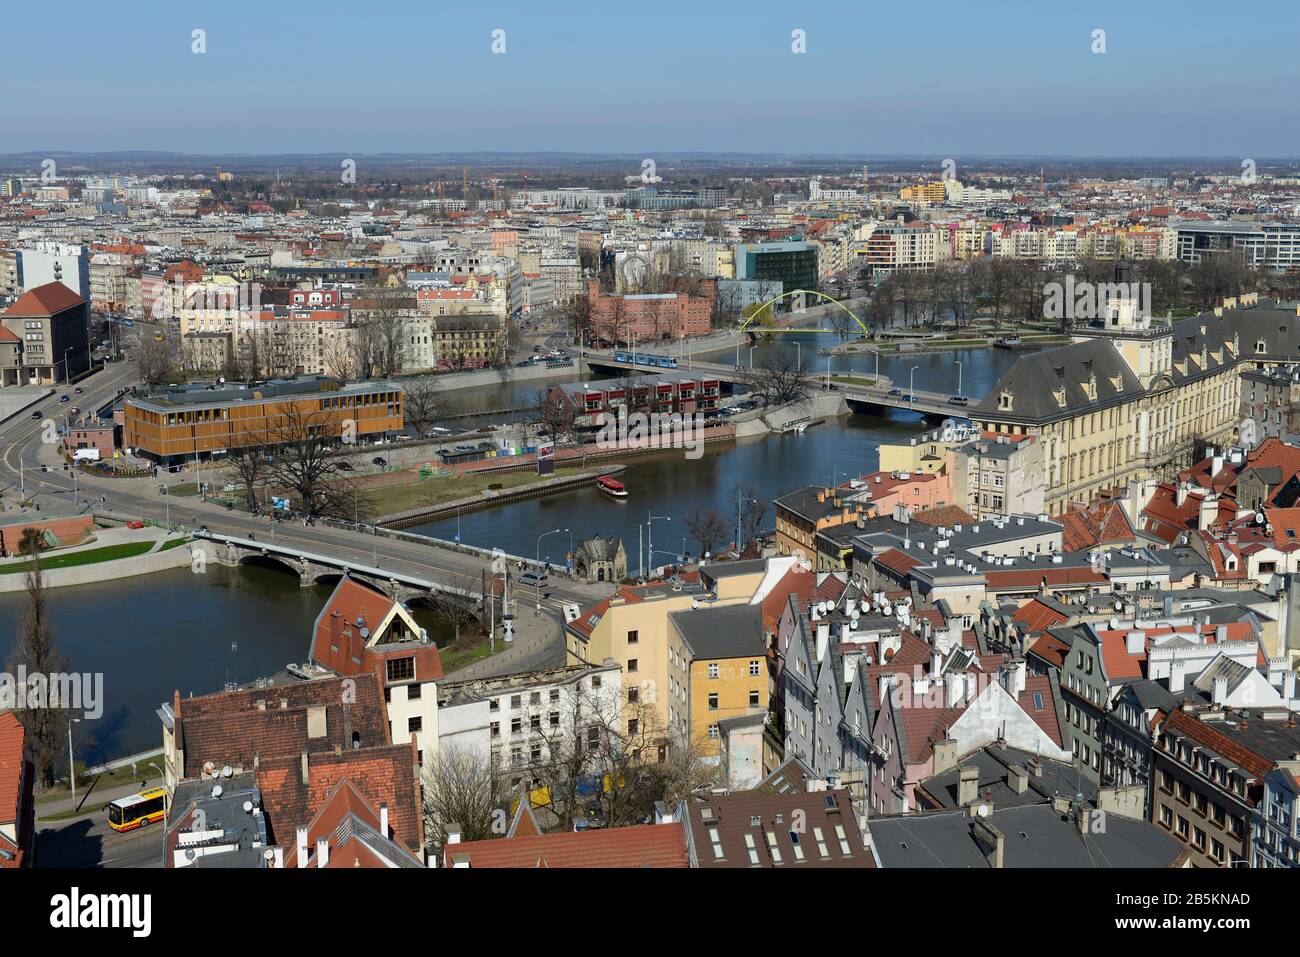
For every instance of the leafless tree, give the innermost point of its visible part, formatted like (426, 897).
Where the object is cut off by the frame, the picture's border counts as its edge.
(552, 412)
(252, 464)
(706, 526)
(45, 718)
(457, 611)
(423, 403)
(305, 462)
(777, 379)
(341, 358)
(753, 512)
(460, 788)
(155, 361)
(606, 751)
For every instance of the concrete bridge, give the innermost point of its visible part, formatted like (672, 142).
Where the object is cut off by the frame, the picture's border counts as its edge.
(861, 398)
(313, 567)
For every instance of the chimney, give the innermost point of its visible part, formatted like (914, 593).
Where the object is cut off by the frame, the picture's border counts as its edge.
(1220, 689)
(823, 638)
(1135, 642)
(989, 838)
(1017, 779)
(936, 662)
(302, 847)
(945, 755)
(1020, 674)
(968, 781)
(306, 777)
(322, 852)
(1221, 634)
(955, 687)
(383, 818)
(277, 858)
(453, 833)
(1176, 668)
(1288, 685)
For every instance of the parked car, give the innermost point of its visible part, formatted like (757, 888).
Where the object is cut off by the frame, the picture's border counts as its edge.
(36, 414)
(379, 460)
(65, 398)
(345, 466)
(895, 391)
(78, 390)
(533, 579)
(959, 400)
(135, 524)
(466, 448)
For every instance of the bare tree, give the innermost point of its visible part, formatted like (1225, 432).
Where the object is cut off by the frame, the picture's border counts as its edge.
(457, 611)
(753, 512)
(460, 788)
(253, 466)
(604, 752)
(422, 403)
(305, 462)
(44, 717)
(706, 526)
(155, 362)
(552, 411)
(777, 379)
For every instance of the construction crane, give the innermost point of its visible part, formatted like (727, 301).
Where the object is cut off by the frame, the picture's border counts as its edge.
(464, 183)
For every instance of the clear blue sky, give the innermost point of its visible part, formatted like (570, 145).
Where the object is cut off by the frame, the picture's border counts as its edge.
(647, 76)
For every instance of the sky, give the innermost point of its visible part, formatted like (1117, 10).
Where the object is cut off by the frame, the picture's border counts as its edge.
(879, 77)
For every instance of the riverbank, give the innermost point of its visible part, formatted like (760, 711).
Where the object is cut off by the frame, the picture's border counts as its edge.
(493, 490)
(914, 346)
(112, 554)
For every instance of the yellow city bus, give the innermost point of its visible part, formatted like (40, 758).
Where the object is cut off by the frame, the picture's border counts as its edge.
(137, 810)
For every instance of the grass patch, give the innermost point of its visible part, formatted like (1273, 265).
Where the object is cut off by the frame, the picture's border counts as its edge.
(174, 543)
(851, 380)
(89, 557)
(454, 658)
(184, 488)
(390, 499)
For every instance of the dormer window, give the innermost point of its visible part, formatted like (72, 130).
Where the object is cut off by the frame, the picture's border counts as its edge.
(1004, 400)
(1090, 388)
(1261, 347)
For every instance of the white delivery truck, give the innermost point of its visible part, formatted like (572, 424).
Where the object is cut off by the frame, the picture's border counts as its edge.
(86, 455)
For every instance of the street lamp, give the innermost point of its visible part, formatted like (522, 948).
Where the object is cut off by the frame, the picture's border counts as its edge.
(554, 531)
(649, 537)
(739, 494)
(958, 361)
(751, 354)
(72, 767)
(911, 385)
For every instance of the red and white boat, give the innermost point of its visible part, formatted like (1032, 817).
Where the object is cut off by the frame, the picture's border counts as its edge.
(611, 486)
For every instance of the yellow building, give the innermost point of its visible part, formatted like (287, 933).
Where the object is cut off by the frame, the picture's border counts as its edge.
(1135, 397)
(717, 670)
(925, 453)
(632, 628)
(934, 192)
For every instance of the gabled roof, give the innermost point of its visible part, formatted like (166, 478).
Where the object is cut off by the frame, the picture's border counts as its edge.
(44, 301)
(644, 845)
(351, 825)
(758, 829)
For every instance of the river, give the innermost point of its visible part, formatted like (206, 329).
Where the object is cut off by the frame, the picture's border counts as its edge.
(175, 630)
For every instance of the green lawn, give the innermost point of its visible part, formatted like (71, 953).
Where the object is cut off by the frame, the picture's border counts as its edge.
(174, 543)
(90, 556)
(391, 499)
(453, 658)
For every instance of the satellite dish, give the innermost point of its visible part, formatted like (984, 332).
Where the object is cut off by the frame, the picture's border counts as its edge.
(1259, 518)
(983, 810)
(248, 807)
(227, 771)
(216, 791)
(189, 854)
(209, 768)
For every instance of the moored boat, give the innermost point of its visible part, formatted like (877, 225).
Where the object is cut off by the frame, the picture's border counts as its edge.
(611, 486)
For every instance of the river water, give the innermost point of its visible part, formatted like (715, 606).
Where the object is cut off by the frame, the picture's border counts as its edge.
(175, 630)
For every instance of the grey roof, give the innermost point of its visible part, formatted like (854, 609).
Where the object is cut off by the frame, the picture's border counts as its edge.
(1033, 378)
(1055, 778)
(1033, 836)
(732, 631)
(718, 570)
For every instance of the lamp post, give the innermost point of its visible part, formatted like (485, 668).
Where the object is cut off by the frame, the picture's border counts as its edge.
(72, 767)
(739, 495)
(958, 361)
(649, 537)
(751, 354)
(554, 531)
(911, 385)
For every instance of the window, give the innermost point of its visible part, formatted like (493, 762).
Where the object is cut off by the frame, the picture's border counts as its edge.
(401, 669)
(516, 701)
(633, 726)
(414, 724)
(633, 637)
(595, 681)
(535, 697)
(713, 701)
(414, 692)
(535, 722)
(593, 739)
(555, 694)
(555, 719)
(516, 725)
(754, 669)
(752, 848)
(495, 727)
(631, 665)
(713, 732)
(494, 705)
(632, 695)
(713, 670)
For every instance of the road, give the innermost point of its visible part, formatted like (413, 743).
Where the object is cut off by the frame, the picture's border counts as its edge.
(87, 841)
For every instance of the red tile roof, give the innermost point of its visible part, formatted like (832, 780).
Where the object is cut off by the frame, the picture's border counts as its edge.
(1037, 616)
(797, 581)
(645, 845)
(11, 765)
(47, 300)
(1101, 523)
(1183, 723)
(338, 644)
